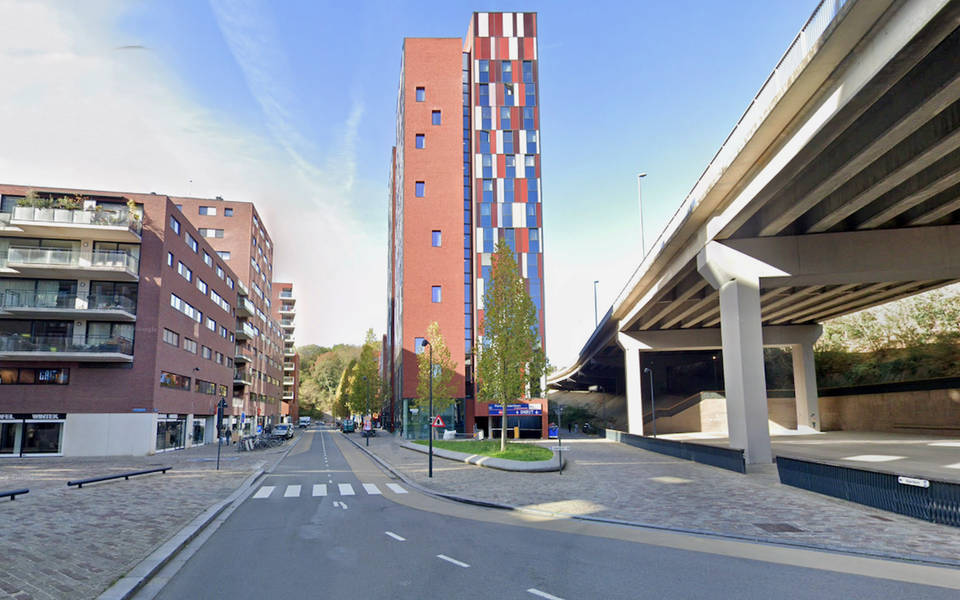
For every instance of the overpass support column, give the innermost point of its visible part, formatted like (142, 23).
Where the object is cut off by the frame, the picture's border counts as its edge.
(631, 364)
(738, 280)
(805, 380)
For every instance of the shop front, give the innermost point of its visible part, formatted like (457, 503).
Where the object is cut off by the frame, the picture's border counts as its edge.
(524, 420)
(171, 432)
(31, 434)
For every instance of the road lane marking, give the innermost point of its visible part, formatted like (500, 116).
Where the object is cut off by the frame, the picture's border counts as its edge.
(343, 505)
(372, 489)
(395, 536)
(537, 592)
(451, 560)
(319, 489)
(293, 491)
(346, 489)
(265, 491)
(396, 488)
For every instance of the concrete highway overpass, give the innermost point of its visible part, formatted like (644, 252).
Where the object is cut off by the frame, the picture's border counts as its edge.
(838, 190)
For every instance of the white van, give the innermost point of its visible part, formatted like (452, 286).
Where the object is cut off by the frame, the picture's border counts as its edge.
(304, 421)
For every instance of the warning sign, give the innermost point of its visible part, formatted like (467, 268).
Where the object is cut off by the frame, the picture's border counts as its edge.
(437, 422)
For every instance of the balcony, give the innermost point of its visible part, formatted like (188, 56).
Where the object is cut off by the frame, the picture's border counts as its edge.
(245, 308)
(242, 288)
(289, 351)
(245, 331)
(288, 380)
(287, 296)
(287, 324)
(288, 337)
(288, 309)
(106, 225)
(242, 354)
(46, 305)
(65, 348)
(289, 366)
(242, 377)
(66, 263)
(287, 396)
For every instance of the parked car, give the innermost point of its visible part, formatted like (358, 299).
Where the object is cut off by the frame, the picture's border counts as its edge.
(347, 427)
(284, 430)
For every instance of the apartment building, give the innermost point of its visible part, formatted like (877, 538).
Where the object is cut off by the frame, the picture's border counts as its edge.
(236, 232)
(117, 324)
(465, 174)
(285, 311)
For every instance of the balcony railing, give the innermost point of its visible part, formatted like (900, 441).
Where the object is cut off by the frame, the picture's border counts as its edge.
(32, 299)
(245, 308)
(286, 294)
(69, 258)
(101, 218)
(288, 381)
(289, 366)
(241, 376)
(287, 323)
(13, 342)
(245, 331)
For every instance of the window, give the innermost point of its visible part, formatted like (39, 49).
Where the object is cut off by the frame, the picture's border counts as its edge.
(211, 324)
(531, 142)
(527, 71)
(436, 117)
(486, 120)
(531, 215)
(218, 358)
(418, 345)
(532, 192)
(421, 94)
(207, 259)
(192, 242)
(169, 259)
(508, 142)
(190, 345)
(210, 211)
(508, 183)
(506, 215)
(488, 240)
(228, 212)
(484, 94)
(510, 237)
(506, 71)
(484, 70)
(174, 381)
(508, 98)
(535, 241)
(171, 337)
(175, 225)
(420, 140)
(206, 387)
(207, 353)
(229, 279)
(185, 272)
(32, 376)
(530, 166)
(219, 271)
(420, 189)
(505, 117)
(533, 269)
(435, 295)
(485, 212)
(528, 118)
(211, 233)
(436, 239)
(487, 190)
(484, 142)
(531, 96)
(178, 303)
(201, 285)
(223, 255)
(486, 165)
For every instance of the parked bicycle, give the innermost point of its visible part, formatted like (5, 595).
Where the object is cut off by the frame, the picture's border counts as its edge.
(259, 442)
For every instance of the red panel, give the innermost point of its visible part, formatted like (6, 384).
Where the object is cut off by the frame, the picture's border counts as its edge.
(530, 25)
(523, 240)
(536, 159)
(483, 49)
(494, 215)
(503, 47)
(540, 216)
(528, 43)
(520, 94)
(520, 189)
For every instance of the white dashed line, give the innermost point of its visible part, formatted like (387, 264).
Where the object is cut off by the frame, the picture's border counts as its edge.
(372, 489)
(346, 489)
(265, 491)
(451, 560)
(537, 592)
(396, 488)
(319, 489)
(293, 491)
(395, 536)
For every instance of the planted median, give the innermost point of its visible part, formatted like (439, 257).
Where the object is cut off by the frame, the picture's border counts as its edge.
(491, 448)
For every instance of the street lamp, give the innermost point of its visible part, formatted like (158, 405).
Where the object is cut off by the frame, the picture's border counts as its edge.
(653, 406)
(596, 319)
(221, 406)
(369, 416)
(643, 250)
(424, 344)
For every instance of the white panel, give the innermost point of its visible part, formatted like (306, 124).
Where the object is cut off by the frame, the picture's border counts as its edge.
(514, 48)
(523, 264)
(507, 24)
(519, 214)
(396, 488)
(499, 184)
(476, 71)
(519, 24)
(292, 491)
(345, 489)
(478, 164)
(265, 491)
(479, 294)
(319, 489)
(493, 98)
(483, 24)
(372, 489)
(534, 49)
(98, 434)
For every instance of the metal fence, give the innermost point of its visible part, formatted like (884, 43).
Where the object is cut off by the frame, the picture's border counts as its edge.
(715, 456)
(927, 499)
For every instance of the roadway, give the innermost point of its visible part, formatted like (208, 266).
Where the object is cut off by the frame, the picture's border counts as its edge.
(327, 522)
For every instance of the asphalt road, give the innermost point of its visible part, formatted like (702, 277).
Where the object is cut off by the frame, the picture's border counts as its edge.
(386, 540)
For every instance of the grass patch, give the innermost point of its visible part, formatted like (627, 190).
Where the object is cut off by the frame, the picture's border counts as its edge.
(524, 452)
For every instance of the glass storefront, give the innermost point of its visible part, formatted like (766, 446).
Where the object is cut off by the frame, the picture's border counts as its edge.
(199, 431)
(171, 430)
(31, 434)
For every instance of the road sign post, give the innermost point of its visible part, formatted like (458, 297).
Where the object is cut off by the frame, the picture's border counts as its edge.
(560, 448)
(220, 408)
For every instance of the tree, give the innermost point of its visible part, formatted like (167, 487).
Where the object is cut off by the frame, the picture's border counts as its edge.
(444, 388)
(508, 351)
(368, 365)
(341, 405)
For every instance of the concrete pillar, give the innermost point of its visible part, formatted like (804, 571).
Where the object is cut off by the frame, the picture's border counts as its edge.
(746, 387)
(631, 363)
(805, 383)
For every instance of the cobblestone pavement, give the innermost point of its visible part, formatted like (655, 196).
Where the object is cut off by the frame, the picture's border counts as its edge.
(604, 479)
(70, 543)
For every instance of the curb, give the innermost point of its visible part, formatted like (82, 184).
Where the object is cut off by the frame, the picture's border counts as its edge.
(502, 464)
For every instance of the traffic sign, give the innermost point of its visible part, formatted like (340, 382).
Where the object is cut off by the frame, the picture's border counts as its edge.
(560, 448)
(438, 422)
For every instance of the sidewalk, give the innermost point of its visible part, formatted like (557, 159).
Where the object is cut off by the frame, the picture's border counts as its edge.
(610, 481)
(60, 542)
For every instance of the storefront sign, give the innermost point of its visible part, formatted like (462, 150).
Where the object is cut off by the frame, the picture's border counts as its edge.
(517, 410)
(33, 416)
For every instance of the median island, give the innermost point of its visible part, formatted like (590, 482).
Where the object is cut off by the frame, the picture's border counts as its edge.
(491, 448)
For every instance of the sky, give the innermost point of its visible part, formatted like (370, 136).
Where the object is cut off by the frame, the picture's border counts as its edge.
(292, 106)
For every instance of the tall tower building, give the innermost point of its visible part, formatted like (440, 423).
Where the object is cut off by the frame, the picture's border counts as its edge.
(467, 132)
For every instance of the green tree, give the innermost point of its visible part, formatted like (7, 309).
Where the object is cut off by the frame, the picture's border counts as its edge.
(444, 369)
(508, 351)
(367, 366)
(341, 405)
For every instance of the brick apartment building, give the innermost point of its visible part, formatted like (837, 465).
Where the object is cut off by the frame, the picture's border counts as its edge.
(119, 324)
(465, 174)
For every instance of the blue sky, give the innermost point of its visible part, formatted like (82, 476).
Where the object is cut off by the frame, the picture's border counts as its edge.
(292, 105)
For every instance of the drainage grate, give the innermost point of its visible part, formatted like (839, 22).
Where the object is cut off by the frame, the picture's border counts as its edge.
(778, 527)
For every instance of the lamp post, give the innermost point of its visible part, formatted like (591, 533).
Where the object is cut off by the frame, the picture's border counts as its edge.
(559, 439)
(653, 405)
(369, 416)
(596, 318)
(643, 250)
(221, 406)
(430, 453)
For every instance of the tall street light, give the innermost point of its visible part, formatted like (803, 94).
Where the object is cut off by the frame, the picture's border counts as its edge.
(643, 249)
(424, 344)
(596, 320)
(369, 416)
(653, 405)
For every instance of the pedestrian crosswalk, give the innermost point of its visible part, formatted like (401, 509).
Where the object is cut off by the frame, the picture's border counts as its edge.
(320, 490)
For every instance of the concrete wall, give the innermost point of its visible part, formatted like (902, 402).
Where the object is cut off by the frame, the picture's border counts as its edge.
(934, 412)
(98, 434)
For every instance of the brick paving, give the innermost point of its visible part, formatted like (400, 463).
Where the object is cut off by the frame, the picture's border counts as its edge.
(67, 543)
